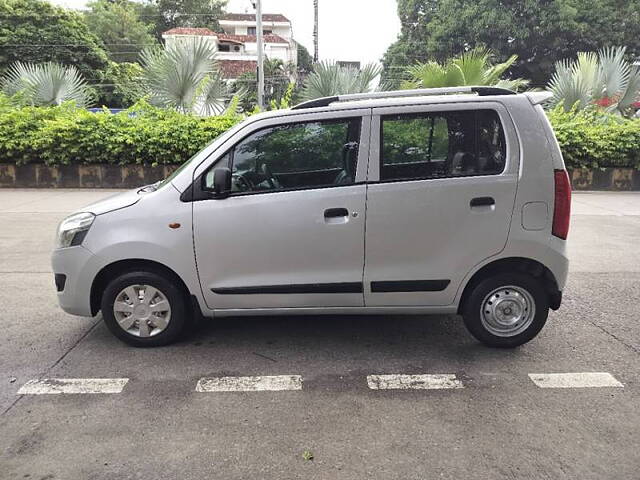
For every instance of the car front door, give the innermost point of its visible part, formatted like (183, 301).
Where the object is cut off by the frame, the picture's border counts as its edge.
(443, 184)
(291, 233)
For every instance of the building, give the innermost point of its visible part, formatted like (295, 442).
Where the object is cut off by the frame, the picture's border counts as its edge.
(348, 65)
(236, 45)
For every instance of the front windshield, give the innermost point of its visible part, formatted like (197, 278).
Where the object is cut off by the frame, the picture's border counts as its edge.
(197, 157)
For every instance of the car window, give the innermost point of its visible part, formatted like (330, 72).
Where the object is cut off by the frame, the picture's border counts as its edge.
(294, 156)
(441, 145)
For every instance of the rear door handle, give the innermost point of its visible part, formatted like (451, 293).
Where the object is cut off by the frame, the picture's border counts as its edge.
(482, 202)
(336, 212)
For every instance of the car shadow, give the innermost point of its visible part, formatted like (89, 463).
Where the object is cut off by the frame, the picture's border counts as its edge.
(401, 337)
(312, 345)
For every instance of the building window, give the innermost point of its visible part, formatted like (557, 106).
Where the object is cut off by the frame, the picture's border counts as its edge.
(254, 31)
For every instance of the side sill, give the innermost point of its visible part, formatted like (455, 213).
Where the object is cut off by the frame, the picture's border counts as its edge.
(395, 310)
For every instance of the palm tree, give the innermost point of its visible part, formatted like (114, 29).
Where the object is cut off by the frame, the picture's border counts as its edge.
(274, 67)
(47, 84)
(604, 79)
(470, 68)
(329, 78)
(185, 77)
(278, 76)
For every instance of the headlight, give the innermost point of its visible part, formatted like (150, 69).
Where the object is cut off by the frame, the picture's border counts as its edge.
(73, 229)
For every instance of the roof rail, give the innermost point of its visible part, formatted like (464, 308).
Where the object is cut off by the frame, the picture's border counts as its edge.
(422, 92)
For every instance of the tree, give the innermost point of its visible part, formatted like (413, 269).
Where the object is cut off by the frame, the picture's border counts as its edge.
(187, 13)
(604, 79)
(540, 32)
(36, 31)
(185, 77)
(122, 32)
(47, 84)
(305, 60)
(277, 75)
(328, 79)
(122, 85)
(470, 68)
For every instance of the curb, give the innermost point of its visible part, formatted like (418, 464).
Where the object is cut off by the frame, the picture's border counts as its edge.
(81, 176)
(614, 179)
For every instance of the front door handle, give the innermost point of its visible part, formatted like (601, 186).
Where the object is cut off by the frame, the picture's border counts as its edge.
(482, 202)
(336, 212)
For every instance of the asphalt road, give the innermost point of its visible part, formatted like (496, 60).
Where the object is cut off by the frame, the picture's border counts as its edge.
(500, 425)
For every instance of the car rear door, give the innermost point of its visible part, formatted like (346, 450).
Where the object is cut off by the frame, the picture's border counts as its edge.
(442, 185)
(292, 232)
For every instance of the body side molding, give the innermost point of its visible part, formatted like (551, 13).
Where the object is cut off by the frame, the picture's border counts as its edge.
(344, 287)
(400, 286)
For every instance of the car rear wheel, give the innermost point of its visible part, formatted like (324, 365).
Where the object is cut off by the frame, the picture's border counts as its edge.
(144, 309)
(506, 310)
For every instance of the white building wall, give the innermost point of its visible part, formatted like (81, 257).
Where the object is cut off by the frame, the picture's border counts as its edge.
(237, 56)
(271, 50)
(240, 28)
(284, 32)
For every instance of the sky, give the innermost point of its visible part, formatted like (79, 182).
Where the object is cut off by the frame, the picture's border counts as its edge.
(350, 30)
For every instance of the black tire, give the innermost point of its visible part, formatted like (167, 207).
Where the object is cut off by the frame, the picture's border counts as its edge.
(472, 309)
(174, 294)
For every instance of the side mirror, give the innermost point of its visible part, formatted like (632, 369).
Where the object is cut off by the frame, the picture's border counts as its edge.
(221, 182)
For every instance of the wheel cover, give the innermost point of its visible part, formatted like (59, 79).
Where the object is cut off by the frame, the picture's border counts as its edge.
(142, 310)
(507, 311)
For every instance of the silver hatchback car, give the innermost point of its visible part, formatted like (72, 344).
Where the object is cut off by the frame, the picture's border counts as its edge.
(438, 201)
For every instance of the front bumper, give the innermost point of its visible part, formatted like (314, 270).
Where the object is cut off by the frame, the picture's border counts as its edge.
(76, 266)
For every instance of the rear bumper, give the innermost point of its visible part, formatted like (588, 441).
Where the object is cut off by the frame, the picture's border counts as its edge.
(74, 293)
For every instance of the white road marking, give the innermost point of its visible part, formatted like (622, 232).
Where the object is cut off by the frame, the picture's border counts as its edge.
(72, 386)
(250, 384)
(413, 382)
(575, 380)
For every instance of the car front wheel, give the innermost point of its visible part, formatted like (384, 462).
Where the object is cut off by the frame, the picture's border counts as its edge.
(506, 310)
(144, 309)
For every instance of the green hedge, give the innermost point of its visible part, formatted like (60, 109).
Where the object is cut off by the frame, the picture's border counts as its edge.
(148, 135)
(593, 139)
(141, 135)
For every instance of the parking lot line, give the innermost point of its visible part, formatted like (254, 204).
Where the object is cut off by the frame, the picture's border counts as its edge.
(47, 386)
(575, 380)
(294, 382)
(414, 382)
(250, 384)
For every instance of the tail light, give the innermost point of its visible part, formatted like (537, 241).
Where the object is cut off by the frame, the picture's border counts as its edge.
(562, 204)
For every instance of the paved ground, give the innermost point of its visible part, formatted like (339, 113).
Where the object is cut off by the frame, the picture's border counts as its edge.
(500, 424)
